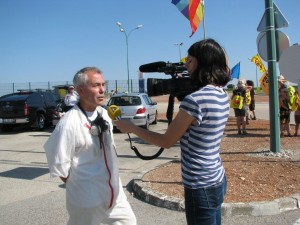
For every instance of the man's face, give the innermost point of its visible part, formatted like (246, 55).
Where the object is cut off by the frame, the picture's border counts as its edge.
(71, 89)
(92, 94)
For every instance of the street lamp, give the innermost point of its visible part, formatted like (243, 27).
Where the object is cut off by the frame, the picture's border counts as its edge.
(179, 46)
(122, 29)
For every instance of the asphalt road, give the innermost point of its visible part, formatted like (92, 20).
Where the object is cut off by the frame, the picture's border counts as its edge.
(28, 195)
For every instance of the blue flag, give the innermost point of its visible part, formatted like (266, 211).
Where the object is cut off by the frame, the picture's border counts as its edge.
(235, 71)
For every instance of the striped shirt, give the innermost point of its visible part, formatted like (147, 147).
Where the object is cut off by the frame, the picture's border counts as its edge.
(200, 145)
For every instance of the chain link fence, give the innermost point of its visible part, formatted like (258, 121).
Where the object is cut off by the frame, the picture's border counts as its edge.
(120, 86)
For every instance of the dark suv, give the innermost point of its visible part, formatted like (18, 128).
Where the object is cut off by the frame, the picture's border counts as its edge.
(34, 108)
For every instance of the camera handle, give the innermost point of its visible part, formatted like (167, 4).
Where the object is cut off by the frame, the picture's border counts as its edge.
(169, 116)
(170, 108)
(114, 113)
(143, 157)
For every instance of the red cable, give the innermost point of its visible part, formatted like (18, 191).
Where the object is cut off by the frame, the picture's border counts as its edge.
(109, 173)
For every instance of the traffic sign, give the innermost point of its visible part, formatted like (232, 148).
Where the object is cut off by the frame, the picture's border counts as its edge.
(279, 20)
(289, 64)
(282, 43)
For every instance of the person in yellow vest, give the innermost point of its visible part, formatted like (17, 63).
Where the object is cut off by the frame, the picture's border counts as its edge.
(281, 81)
(252, 101)
(240, 114)
(284, 110)
(297, 113)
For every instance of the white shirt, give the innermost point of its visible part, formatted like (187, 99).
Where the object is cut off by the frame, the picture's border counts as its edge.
(73, 151)
(71, 99)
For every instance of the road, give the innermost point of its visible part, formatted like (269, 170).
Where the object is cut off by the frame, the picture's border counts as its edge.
(28, 195)
(261, 109)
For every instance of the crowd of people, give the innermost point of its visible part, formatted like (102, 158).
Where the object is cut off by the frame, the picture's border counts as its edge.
(243, 103)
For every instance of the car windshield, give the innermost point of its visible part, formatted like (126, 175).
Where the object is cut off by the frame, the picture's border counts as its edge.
(125, 100)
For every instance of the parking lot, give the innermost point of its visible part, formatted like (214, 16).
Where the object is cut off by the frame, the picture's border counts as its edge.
(29, 196)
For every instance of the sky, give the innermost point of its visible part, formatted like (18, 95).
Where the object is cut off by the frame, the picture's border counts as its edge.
(50, 40)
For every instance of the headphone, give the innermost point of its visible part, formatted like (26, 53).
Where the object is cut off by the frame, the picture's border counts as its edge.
(98, 126)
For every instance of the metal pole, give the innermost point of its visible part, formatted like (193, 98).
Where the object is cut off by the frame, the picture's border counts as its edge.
(204, 30)
(127, 61)
(116, 90)
(122, 29)
(179, 47)
(273, 83)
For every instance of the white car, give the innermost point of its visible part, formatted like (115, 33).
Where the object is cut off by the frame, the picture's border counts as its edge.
(137, 107)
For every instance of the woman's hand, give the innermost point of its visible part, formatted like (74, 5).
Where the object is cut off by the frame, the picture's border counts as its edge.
(125, 126)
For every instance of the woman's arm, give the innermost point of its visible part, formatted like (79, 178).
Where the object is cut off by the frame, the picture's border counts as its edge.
(173, 133)
(283, 99)
(248, 88)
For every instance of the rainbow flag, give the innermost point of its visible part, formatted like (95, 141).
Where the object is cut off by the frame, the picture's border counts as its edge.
(193, 10)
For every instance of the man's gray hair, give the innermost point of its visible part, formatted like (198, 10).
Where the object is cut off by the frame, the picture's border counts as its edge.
(80, 77)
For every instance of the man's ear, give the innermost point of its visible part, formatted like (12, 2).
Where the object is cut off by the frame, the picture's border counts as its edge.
(79, 89)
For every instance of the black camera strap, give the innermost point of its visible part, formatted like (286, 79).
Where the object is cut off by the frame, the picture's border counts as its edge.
(143, 157)
(99, 122)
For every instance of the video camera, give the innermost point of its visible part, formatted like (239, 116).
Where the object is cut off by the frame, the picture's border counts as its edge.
(178, 86)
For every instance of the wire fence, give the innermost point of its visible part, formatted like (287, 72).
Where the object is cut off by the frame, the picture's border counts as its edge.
(120, 86)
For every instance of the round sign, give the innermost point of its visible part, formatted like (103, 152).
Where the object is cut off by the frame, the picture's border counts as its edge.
(289, 63)
(282, 43)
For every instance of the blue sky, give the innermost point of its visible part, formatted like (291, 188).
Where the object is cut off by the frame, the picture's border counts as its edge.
(49, 40)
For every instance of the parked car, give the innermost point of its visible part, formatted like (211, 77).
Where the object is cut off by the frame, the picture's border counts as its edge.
(137, 107)
(32, 108)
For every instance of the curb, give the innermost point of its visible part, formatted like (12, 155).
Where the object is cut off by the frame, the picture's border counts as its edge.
(264, 208)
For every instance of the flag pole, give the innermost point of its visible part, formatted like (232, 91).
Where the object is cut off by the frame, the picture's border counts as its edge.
(256, 77)
(255, 74)
(204, 30)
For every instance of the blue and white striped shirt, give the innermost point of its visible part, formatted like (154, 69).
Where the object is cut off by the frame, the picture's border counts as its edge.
(200, 145)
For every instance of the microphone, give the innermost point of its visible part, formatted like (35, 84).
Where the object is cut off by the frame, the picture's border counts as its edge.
(152, 67)
(114, 112)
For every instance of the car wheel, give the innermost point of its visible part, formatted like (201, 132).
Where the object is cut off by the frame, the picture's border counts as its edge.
(147, 124)
(41, 123)
(155, 119)
(7, 128)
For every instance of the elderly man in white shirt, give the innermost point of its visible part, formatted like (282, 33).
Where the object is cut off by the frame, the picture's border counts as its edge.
(81, 151)
(71, 98)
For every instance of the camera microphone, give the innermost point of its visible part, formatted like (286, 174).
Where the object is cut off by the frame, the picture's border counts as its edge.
(152, 67)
